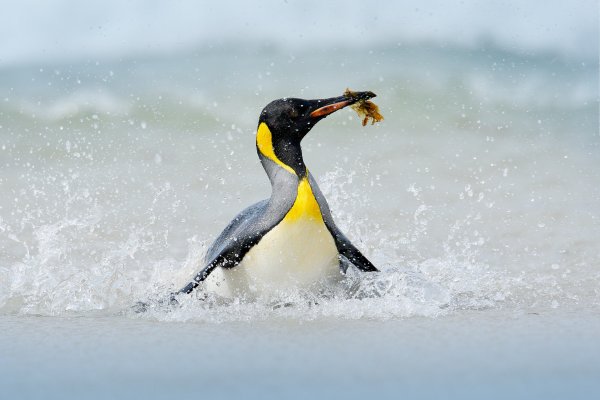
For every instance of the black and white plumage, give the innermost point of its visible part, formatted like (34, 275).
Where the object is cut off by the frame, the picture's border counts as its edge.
(290, 239)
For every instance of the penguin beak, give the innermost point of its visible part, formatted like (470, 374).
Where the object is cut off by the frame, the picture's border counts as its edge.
(328, 106)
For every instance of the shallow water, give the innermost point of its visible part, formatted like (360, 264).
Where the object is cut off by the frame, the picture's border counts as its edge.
(490, 354)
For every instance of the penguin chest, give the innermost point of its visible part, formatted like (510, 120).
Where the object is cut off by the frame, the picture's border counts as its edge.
(298, 252)
(294, 253)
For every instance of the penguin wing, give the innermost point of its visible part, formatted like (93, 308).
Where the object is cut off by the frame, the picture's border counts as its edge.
(230, 247)
(242, 226)
(246, 230)
(346, 249)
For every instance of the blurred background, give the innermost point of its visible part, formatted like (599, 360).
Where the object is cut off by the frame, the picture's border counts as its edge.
(61, 31)
(127, 143)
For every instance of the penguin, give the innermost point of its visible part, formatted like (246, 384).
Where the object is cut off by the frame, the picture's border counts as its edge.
(289, 240)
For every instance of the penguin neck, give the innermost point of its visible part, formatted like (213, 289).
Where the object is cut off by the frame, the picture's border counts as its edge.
(290, 153)
(279, 155)
(294, 171)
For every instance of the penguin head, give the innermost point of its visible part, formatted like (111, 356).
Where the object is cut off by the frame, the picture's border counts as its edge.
(285, 122)
(290, 119)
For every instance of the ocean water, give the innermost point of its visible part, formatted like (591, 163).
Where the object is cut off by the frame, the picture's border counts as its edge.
(470, 355)
(478, 198)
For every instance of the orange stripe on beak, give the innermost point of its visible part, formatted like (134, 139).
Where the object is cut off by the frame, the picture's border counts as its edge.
(328, 109)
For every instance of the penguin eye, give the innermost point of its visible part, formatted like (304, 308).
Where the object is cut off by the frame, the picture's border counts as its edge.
(293, 113)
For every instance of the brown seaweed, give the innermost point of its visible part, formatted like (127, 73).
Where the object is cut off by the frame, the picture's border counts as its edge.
(365, 109)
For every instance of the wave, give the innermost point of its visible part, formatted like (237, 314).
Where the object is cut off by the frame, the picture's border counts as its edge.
(190, 87)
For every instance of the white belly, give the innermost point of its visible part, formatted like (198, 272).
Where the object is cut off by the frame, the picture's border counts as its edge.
(295, 254)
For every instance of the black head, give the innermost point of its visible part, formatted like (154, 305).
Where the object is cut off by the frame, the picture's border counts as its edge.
(288, 120)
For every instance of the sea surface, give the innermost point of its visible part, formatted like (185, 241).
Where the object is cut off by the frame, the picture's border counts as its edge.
(478, 197)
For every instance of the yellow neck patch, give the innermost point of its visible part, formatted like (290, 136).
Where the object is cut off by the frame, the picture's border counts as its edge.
(264, 141)
(305, 206)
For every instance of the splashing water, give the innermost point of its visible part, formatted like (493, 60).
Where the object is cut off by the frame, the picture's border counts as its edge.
(474, 200)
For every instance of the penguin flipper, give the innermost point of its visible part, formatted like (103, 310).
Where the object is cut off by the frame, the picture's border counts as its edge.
(345, 248)
(202, 275)
(243, 232)
(246, 230)
(351, 253)
(247, 223)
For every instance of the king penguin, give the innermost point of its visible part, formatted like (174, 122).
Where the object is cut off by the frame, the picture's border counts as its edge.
(289, 240)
